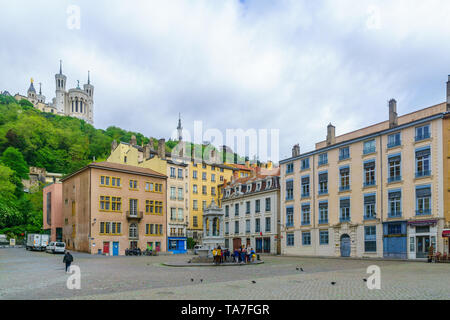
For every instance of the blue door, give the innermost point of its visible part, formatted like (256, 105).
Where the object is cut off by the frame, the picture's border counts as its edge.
(259, 246)
(345, 245)
(115, 249)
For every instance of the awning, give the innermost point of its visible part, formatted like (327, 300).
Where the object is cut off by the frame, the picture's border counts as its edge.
(446, 233)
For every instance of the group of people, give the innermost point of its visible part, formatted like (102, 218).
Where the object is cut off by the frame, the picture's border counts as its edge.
(244, 255)
(240, 255)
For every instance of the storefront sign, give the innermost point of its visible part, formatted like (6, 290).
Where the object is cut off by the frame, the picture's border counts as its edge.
(446, 233)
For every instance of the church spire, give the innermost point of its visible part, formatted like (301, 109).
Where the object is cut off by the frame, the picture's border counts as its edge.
(89, 77)
(40, 88)
(60, 66)
(180, 128)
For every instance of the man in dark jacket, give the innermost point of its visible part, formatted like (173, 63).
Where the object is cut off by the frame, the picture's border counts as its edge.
(67, 260)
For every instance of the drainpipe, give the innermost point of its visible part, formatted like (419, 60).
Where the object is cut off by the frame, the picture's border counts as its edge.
(312, 189)
(382, 193)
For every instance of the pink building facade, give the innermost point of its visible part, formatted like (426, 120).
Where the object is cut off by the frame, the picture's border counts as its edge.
(52, 211)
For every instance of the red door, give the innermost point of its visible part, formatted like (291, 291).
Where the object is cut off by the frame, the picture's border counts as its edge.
(106, 247)
(236, 243)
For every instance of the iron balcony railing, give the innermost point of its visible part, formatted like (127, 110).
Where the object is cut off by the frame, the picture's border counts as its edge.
(134, 214)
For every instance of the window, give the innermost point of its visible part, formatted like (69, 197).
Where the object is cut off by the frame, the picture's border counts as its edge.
(323, 237)
(289, 168)
(306, 215)
(369, 173)
(221, 178)
(289, 217)
(227, 211)
(173, 213)
(172, 193)
(213, 191)
(180, 173)
(172, 172)
(369, 147)
(323, 212)
(290, 239)
(305, 187)
(180, 193)
(105, 203)
(305, 164)
(323, 183)
(133, 231)
(133, 185)
(344, 173)
(394, 168)
(323, 159)
(345, 209)
(267, 224)
(149, 187)
(257, 206)
(194, 174)
(422, 132)
(195, 221)
(116, 204)
(369, 206)
(423, 200)
(204, 176)
(194, 189)
(204, 205)
(257, 225)
(394, 140)
(180, 214)
(213, 177)
(158, 187)
(370, 239)
(236, 209)
(394, 200)
(289, 190)
(268, 205)
(236, 227)
(247, 226)
(106, 181)
(344, 153)
(204, 166)
(247, 207)
(306, 238)
(195, 204)
(423, 162)
(204, 191)
(227, 227)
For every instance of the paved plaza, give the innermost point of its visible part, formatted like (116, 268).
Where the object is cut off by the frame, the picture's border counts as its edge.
(39, 275)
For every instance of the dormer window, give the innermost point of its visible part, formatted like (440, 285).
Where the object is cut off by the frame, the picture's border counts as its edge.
(268, 184)
(249, 188)
(258, 186)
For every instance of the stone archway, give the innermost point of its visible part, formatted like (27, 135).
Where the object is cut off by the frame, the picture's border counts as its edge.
(345, 245)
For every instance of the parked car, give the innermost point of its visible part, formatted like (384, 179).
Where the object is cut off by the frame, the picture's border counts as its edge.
(37, 241)
(56, 247)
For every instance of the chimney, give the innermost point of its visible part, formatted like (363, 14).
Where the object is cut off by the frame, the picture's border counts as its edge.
(147, 151)
(162, 148)
(114, 145)
(133, 140)
(392, 113)
(448, 94)
(296, 150)
(331, 134)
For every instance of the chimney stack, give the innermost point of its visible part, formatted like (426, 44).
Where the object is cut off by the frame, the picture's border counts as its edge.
(114, 145)
(448, 94)
(331, 134)
(162, 149)
(392, 113)
(147, 151)
(133, 141)
(296, 150)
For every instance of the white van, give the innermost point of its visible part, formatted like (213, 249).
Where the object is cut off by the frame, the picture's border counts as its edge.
(56, 247)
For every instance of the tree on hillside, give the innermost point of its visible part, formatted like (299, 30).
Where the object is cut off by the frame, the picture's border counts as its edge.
(13, 159)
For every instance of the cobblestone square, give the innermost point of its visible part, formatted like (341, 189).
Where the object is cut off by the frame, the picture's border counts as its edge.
(39, 275)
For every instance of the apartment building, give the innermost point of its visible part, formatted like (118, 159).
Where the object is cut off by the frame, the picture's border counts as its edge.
(374, 192)
(109, 207)
(52, 220)
(251, 207)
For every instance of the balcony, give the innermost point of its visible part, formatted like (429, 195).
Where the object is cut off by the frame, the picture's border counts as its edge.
(422, 137)
(370, 217)
(369, 150)
(304, 195)
(394, 179)
(393, 144)
(395, 214)
(423, 212)
(306, 223)
(134, 215)
(323, 192)
(344, 157)
(344, 219)
(133, 237)
(322, 162)
(344, 188)
(423, 173)
(323, 221)
(369, 184)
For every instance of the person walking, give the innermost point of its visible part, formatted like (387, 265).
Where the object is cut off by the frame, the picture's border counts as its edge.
(430, 253)
(214, 252)
(67, 260)
(243, 255)
(236, 255)
(219, 255)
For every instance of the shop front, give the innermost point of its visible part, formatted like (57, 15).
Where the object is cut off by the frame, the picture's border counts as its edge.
(422, 234)
(394, 240)
(446, 238)
(177, 245)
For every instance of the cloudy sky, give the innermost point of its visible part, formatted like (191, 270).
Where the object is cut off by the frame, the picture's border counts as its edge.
(289, 65)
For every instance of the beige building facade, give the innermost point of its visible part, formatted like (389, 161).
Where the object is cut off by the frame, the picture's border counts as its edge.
(374, 192)
(108, 208)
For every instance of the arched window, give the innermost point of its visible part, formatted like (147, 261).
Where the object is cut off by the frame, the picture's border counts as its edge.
(76, 105)
(133, 230)
(81, 106)
(72, 105)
